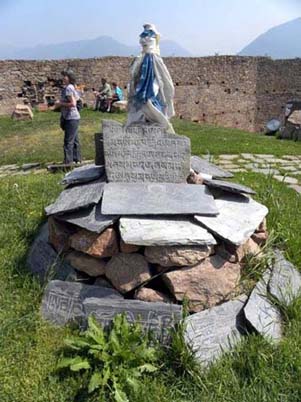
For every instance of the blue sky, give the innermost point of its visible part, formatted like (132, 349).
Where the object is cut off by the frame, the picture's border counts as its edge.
(204, 27)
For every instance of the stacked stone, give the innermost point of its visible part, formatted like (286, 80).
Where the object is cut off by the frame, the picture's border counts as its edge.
(149, 228)
(136, 225)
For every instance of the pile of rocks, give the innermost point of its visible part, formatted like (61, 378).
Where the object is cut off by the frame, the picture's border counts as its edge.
(22, 112)
(135, 236)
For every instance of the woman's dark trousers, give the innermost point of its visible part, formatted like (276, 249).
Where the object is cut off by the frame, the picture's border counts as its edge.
(71, 142)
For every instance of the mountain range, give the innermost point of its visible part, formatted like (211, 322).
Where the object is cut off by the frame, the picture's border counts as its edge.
(279, 42)
(98, 47)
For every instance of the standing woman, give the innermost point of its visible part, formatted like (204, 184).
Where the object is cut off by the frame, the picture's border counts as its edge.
(70, 118)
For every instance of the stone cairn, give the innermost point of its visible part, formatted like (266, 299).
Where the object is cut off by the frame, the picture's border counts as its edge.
(148, 226)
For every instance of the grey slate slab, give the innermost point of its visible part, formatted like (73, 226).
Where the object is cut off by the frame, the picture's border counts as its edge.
(214, 331)
(285, 280)
(84, 174)
(200, 165)
(63, 301)
(156, 317)
(43, 261)
(144, 153)
(238, 218)
(261, 313)
(229, 186)
(90, 218)
(157, 198)
(77, 197)
(163, 231)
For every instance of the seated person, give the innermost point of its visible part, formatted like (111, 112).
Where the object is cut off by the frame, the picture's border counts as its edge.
(116, 96)
(104, 93)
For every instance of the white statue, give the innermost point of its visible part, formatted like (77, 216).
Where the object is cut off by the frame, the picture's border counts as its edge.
(151, 90)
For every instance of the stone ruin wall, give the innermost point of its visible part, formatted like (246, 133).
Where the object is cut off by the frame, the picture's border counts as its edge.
(229, 91)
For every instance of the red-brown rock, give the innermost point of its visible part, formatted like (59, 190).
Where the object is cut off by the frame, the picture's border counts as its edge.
(260, 238)
(97, 245)
(211, 282)
(195, 178)
(128, 248)
(87, 264)
(127, 271)
(151, 295)
(177, 256)
(59, 235)
(235, 254)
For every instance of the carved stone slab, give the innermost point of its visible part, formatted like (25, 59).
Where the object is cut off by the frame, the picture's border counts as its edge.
(83, 174)
(90, 218)
(157, 198)
(63, 301)
(285, 280)
(144, 153)
(214, 331)
(228, 186)
(77, 197)
(261, 313)
(156, 317)
(44, 262)
(200, 165)
(238, 218)
(163, 231)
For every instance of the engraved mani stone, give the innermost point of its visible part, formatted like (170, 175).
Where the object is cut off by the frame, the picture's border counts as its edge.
(63, 301)
(212, 332)
(144, 153)
(157, 198)
(285, 280)
(156, 317)
(261, 313)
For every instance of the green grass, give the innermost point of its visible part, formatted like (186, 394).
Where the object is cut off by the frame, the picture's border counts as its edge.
(41, 140)
(255, 371)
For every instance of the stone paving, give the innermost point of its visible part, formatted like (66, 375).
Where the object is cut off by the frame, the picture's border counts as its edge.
(286, 169)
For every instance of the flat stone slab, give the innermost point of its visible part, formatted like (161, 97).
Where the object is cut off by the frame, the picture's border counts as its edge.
(295, 187)
(163, 231)
(285, 280)
(200, 165)
(238, 218)
(84, 174)
(63, 301)
(261, 313)
(159, 198)
(28, 166)
(144, 153)
(90, 218)
(44, 262)
(156, 317)
(229, 186)
(286, 179)
(77, 197)
(212, 332)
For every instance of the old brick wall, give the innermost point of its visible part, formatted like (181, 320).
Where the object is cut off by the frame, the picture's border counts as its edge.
(230, 91)
(277, 82)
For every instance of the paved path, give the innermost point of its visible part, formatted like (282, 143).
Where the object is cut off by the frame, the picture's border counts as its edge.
(286, 169)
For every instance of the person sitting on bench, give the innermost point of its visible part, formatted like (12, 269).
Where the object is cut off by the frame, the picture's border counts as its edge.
(103, 94)
(116, 96)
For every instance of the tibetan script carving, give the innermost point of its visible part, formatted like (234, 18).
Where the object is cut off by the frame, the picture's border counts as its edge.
(145, 153)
